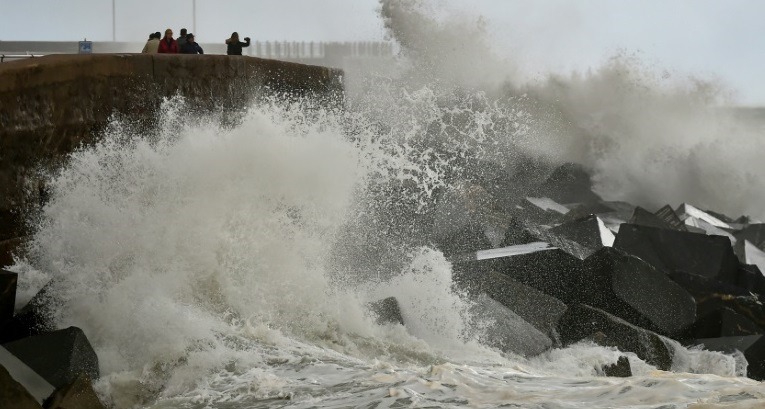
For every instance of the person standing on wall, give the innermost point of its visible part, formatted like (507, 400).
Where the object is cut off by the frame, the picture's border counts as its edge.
(182, 38)
(152, 45)
(191, 46)
(168, 45)
(234, 46)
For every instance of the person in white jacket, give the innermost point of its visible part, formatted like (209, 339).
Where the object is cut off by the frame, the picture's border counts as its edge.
(152, 45)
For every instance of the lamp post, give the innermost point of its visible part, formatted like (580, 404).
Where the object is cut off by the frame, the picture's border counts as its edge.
(114, 20)
(194, 16)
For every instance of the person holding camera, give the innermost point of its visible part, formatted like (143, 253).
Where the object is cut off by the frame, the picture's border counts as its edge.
(234, 46)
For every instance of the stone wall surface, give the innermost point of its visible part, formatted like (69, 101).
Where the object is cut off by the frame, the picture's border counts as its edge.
(53, 104)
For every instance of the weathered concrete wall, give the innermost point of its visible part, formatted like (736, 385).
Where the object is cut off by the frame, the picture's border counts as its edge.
(52, 104)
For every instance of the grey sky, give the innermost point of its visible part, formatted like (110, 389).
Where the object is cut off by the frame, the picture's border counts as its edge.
(706, 37)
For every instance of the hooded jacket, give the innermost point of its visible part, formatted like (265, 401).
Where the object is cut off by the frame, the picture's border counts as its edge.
(168, 47)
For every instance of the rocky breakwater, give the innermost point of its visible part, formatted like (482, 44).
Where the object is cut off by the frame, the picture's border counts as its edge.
(560, 265)
(49, 106)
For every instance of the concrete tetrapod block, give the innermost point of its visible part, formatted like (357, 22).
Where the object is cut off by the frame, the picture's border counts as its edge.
(668, 250)
(33, 319)
(34, 385)
(668, 216)
(8, 282)
(505, 330)
(723, 323)
(582, 321)
(643, 217)
(589, 231)
(59, 356)
(76, 395)
(535, 307)
(13, 395)
(752, 346)
(635, 291)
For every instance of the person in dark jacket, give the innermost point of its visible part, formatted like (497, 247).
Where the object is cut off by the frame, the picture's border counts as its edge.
(182, 38)
(191, 46)
(235, 46)
(168, 45)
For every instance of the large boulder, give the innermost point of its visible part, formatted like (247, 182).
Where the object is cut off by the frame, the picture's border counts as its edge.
(668, 216)
(585, 322)
(633, 290)
(668, 250)
(643, 217)
(77, 395)
(724, 322)
(33, 319)
(542, 210)
(13, 395)
(535, 307)
(31, 381)
(59, 357)
(505, 330)
(589, 231)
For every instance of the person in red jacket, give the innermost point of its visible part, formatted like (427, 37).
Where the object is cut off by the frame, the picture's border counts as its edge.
(168, 45)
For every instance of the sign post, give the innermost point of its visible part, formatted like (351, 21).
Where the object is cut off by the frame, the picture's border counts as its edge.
(86, 47)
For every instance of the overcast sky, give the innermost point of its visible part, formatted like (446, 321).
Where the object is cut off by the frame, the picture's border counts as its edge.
(705, 37)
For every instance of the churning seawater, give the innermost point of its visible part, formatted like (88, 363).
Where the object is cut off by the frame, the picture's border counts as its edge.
(228, 266)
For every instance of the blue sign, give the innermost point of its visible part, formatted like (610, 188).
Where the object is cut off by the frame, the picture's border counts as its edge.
(86, 47)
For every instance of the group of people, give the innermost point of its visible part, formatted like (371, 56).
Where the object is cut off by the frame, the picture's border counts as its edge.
(185, 44)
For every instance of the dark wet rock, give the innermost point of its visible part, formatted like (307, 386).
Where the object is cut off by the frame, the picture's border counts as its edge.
(386, 311)
(748, 306)
(469, 239)
(505, 330)
(643, 217)
(541, 210)
(752, 346)
(35, 318)
(582, 321)
(535, 307)
(7, 294)
(569, 183)
(620, 369)
(13, 395)
(633, 290)
(31, 381)
(751, 279)
(701, 287)
(589, 231)
(554, 272)
(519, 232)
(668, 250)
(59, 356)
(79, 394)
(724, 322)
(668, 216)
(586, 209)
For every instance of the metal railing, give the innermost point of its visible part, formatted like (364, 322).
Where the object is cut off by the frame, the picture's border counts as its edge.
(3, 57)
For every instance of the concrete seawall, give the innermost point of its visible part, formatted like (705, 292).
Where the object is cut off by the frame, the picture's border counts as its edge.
(53, 104)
